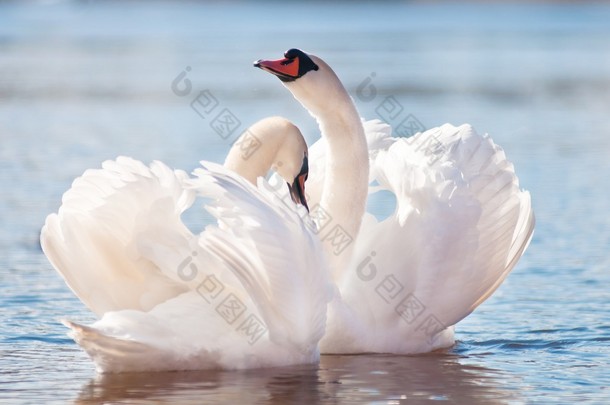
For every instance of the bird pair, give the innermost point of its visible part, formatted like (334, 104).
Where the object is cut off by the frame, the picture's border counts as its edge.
(287, 273)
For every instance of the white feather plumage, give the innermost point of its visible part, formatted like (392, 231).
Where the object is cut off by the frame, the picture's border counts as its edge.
(253, 291)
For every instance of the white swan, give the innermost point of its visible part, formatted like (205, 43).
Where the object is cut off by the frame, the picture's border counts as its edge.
(460, 225)
(250, 292)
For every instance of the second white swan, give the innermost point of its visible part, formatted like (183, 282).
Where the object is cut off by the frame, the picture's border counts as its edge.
(460, 225)
(251, 291)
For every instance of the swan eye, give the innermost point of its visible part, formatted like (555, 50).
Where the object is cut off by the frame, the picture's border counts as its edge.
(292, 53)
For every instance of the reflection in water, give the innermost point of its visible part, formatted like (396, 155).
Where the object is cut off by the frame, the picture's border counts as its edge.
(337, 379)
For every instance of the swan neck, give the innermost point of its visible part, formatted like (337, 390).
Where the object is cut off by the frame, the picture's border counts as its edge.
(345, 187)
(272, 143)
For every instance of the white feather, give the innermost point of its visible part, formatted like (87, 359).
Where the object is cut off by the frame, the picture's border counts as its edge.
(460, 225)
(166, 294)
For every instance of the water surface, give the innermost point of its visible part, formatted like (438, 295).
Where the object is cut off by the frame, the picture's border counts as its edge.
(81, 82)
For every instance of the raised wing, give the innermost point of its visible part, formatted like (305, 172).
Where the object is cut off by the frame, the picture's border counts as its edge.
(93, 240)
(460, 225)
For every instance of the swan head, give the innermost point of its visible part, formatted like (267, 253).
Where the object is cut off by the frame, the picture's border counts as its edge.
(312, 82)
(273, 143)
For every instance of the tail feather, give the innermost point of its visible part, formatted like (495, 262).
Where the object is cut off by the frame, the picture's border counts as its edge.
(108, 353)
(116, 355)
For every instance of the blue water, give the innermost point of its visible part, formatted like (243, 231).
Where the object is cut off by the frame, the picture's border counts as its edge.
(81, 82)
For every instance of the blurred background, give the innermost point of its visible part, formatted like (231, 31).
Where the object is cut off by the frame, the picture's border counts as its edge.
(86, 81)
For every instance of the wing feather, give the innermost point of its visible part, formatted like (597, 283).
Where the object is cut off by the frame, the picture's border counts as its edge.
(460, 225)
(92, 240)
(269, 244)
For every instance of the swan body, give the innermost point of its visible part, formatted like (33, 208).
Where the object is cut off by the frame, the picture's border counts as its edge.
(251, 291)
(460, 225)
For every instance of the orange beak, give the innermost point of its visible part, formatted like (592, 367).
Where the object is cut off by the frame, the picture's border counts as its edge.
(285, 69)
(297, 191)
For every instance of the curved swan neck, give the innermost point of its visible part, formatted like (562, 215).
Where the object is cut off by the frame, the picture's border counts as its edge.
(347, 167)
(271, 143)
(345, 187)
(341, 124)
